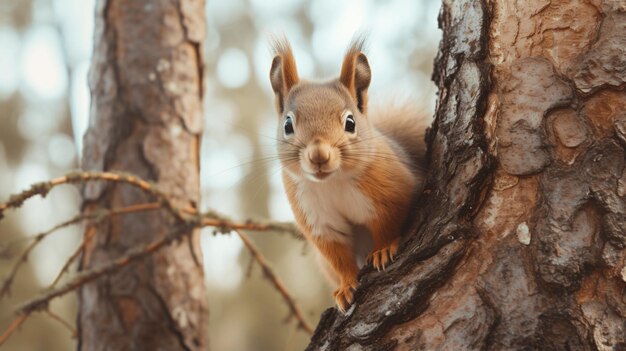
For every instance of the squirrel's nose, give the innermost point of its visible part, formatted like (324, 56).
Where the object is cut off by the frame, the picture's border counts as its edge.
(319, 153)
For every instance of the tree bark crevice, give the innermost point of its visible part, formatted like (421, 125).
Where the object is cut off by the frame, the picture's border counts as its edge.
(173, 326)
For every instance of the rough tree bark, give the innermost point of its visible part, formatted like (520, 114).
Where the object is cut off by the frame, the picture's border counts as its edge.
(519, 239)
(147, 85)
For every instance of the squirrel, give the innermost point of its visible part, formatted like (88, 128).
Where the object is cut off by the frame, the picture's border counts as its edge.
(350, 176)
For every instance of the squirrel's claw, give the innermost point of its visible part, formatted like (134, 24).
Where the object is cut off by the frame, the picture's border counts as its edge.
(344, 296)
(380, 258)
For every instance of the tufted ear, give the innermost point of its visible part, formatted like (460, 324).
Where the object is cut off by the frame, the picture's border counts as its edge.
(356, 74)
(283, 73)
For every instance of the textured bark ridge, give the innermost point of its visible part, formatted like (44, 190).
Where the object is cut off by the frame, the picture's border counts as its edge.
(518, 241)
(147, 84)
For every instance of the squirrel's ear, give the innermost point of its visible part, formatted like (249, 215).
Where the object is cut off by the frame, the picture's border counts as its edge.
(284, 73)
(356, 74)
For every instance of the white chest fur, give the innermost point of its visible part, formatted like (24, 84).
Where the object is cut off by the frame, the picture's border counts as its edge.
(332, 208)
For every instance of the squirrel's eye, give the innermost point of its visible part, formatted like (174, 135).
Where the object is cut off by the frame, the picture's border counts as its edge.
(288, 126)
(350, 124)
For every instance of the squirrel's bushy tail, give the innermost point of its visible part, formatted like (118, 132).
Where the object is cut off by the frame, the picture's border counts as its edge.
(406, 124)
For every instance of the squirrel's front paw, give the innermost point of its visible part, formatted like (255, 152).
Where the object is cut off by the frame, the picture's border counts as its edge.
(380, 258)
(344, 295)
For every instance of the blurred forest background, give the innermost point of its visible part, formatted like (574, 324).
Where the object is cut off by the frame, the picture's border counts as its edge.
(45, 51)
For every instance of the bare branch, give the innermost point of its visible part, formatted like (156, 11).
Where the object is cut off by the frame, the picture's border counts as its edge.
(22, 317)
(224, 225)
(63, 322)
(68, 263)
(134, 254)
(96, 215)
(277, 282)
(6, 284)
(87, 276)
(112, 212)
(19, 320)
(43, 188)
(187, 219)
(138, 252)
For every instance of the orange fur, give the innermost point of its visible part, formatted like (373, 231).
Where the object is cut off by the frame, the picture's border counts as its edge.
(387, 182)
(284, 73)
(355, 73)
(367, 175)
(290, 190)
(339, 257)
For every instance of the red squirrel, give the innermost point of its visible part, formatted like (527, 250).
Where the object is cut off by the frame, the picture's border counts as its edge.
(350, 176)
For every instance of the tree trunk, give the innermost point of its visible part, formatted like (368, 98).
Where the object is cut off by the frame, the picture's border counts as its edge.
(519, 239)
(147, 84)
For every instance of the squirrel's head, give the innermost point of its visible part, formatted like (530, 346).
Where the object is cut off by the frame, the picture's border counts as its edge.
(323, 127)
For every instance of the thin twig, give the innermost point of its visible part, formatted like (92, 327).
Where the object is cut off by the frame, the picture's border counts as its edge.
(6, 284)
(63, 322)
(187, 219)
(97, 215)
(224, 225)
(112, 266)
(43, 188)
(85, 242)
(42, 302)
(82, 278)
(140, 251)
(68, 263)
(277, 282)
(90, 275)
(19, 320)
